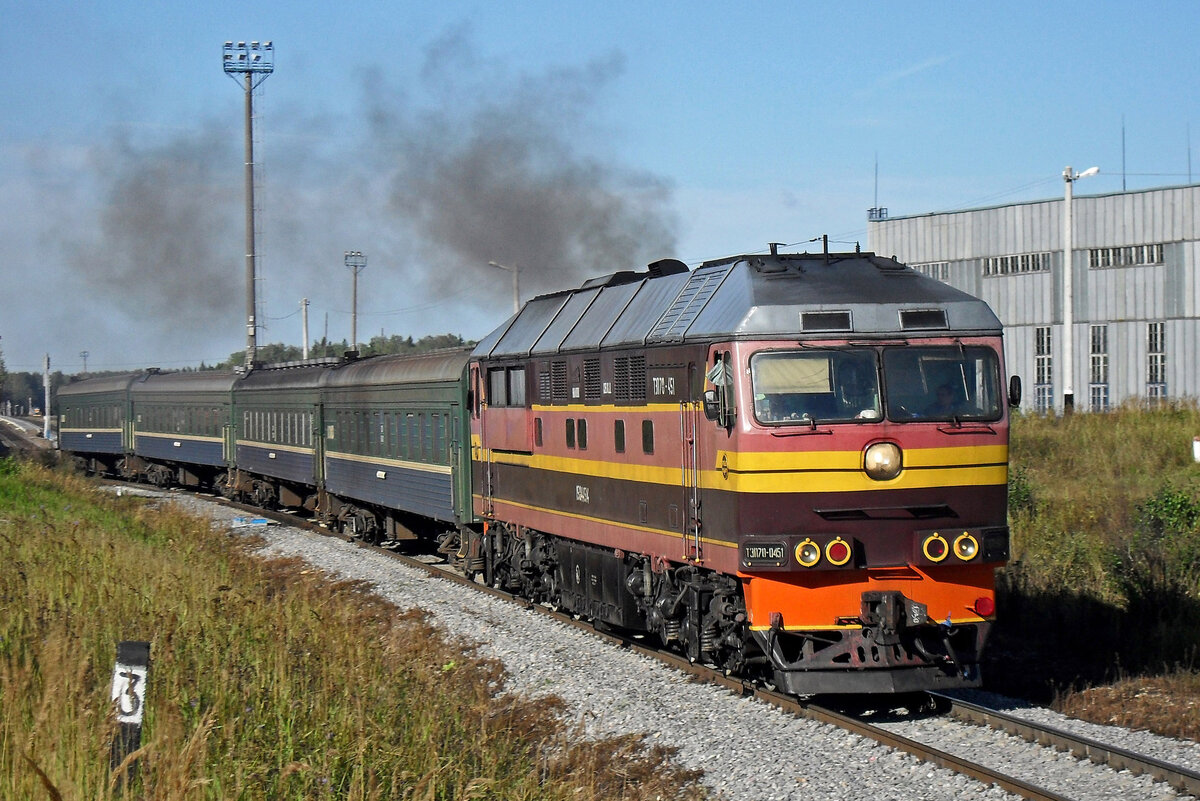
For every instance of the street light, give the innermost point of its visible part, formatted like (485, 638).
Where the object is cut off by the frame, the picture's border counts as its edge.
(516, 287)
(254, 62)
(356, 262)
(1069, 178)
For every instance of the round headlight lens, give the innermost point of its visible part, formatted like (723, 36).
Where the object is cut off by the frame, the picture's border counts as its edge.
(808, 553)
(882, 461)
(965, 547)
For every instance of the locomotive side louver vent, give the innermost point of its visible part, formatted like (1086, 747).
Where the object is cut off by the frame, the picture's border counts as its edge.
(825, 321)
(629, 378)
(923, 319)
(637, 378)
(558, 381)
(591, 379)
(621, 379)
(544, 386)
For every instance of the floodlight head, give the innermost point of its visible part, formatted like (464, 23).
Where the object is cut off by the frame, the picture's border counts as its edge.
(1090, 171)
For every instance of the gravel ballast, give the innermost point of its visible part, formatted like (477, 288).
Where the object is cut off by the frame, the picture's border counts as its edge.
(748, 750)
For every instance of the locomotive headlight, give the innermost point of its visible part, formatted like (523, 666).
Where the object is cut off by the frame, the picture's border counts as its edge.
(966, 546)
(882, 461)
(935, 547)
(808, 553)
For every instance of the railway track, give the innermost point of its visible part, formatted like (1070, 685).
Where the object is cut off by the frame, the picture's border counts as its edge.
(1178, 777)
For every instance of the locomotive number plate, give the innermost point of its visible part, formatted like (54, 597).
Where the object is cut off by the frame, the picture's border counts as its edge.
(764, 553)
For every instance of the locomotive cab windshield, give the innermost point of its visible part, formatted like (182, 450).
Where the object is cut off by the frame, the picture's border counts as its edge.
(847, 385)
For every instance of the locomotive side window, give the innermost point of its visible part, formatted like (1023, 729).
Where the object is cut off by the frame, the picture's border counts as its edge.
(570, 433)
(497, 391)
(506, 386)
(806, 386)
(582, 435)
(516, 386)
(619, 436)
(942, 383)
(648, 436)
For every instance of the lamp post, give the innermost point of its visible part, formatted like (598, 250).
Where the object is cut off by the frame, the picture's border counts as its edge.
(516, 286)
(1069, 178)
(356, 262)
(253, 62)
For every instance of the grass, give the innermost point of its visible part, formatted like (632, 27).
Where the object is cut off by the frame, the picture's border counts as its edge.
(266, 680)
(1104, 585)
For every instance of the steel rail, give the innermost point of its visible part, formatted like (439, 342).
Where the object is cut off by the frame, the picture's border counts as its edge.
(1099, 752)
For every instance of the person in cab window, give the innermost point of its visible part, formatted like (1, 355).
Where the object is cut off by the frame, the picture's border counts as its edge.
(944, 403)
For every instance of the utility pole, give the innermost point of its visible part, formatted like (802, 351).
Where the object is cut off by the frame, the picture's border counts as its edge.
(304, 318)
(46, 402)
(356, 262)
(1069, 178)
(254, 63)
(515, 270)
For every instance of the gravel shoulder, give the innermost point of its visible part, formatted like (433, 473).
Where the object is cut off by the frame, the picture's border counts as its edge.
(749, 750)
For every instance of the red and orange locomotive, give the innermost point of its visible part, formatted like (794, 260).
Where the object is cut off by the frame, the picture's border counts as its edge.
(793, 466)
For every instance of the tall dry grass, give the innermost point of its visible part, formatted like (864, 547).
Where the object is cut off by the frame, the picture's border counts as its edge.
(267, 680)
(1105, 578)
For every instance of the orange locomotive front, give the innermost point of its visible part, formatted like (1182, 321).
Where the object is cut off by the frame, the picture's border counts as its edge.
(792, 466)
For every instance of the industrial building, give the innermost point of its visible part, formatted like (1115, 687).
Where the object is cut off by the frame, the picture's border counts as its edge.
(1133, 293)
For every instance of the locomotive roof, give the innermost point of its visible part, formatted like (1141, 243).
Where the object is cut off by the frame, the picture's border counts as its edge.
(796, 295)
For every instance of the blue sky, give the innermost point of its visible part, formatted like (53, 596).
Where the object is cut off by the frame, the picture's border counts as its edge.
(570, 138)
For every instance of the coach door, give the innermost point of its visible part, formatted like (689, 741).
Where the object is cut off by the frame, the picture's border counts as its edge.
(689, 421)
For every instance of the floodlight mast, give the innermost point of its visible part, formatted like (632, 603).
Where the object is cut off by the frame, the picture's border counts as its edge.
(249, 64)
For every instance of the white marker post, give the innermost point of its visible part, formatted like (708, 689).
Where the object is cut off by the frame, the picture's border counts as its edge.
(129, 699)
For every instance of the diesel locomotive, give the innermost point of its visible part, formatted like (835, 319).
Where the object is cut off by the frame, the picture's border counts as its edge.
(792, 466)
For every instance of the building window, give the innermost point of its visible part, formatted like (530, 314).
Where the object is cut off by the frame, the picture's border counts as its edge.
(1156, 361)
(1098, 389)
(934, 269)
(1127, 256)
(1043, 368)
(1015, 265)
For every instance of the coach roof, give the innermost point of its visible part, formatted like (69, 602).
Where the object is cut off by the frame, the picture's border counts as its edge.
(798, 296)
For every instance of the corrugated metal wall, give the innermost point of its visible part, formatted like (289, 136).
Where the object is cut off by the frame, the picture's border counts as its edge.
(1126, 299)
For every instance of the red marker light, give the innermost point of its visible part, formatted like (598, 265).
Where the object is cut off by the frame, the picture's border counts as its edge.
(838, 552)
(985, 607)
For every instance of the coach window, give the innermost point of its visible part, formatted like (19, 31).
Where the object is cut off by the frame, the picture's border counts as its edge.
(582, 434)
(619, 436)
(570, 433)
(647, 436)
